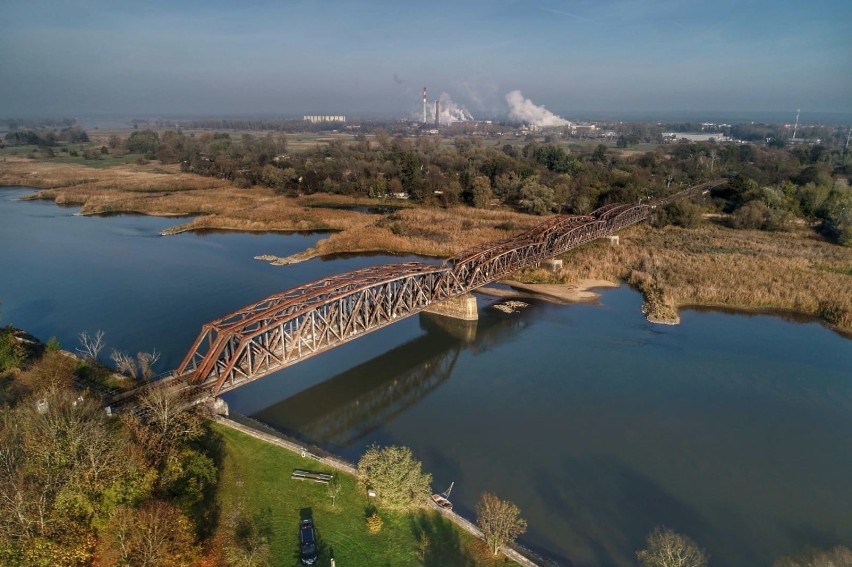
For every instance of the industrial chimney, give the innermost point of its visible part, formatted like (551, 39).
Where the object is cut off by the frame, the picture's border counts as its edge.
(424, 106)
(437, 113)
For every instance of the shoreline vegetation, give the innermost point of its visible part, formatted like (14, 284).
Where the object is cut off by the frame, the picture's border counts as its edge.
(710, 265)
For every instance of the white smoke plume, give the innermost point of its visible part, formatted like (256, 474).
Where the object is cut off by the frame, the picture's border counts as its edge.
(521, 108)
(449, 111)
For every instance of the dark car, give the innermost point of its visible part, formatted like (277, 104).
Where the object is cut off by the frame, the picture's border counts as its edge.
(308, 542)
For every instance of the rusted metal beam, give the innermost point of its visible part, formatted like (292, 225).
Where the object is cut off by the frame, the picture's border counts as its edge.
(287, 327)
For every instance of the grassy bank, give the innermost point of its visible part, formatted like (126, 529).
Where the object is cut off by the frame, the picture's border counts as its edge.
(256, 480)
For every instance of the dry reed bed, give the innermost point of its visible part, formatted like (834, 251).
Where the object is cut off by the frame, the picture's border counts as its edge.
(426, 232)
(163, 190)
(715, 266)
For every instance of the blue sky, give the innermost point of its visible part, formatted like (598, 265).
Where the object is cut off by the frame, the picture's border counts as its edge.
(313, 56)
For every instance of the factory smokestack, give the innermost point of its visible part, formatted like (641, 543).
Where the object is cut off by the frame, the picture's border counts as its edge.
(424, 105)
(437, 112)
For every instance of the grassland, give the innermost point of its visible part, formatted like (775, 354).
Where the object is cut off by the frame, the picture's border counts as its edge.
(711, 265)
(256, 481)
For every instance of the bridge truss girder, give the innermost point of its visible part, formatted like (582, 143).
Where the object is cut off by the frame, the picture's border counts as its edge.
(287, 327)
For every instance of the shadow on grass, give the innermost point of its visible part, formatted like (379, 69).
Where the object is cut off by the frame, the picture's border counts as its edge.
(441, 544)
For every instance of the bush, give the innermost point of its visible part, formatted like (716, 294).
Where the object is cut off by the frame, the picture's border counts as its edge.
(682, 213)
(374, 523)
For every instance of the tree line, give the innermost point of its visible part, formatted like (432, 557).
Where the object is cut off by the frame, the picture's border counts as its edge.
(46, 138)
(769, 188)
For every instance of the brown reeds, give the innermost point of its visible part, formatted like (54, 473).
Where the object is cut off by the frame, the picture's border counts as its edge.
(717, 266)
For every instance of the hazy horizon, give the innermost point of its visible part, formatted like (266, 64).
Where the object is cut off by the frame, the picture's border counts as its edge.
(373, 58)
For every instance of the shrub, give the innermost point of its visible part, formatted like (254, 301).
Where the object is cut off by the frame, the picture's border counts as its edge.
(374, 523)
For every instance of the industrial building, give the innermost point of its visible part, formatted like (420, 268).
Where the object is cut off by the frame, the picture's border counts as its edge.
(324, 118)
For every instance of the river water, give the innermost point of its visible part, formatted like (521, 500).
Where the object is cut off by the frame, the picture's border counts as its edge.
(734, 429)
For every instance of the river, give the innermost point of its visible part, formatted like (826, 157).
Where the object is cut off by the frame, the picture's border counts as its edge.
(734, 429)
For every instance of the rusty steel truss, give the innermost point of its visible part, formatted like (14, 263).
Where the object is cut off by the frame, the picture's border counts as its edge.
(288, 327)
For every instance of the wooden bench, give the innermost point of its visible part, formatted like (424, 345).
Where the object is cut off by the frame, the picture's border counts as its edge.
(301, 474)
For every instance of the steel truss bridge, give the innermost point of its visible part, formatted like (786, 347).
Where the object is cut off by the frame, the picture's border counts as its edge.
(288, 327)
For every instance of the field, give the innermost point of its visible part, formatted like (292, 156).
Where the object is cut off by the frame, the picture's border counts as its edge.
(256, 480)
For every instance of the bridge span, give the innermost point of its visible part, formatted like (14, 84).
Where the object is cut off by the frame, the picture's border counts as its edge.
(285, 328)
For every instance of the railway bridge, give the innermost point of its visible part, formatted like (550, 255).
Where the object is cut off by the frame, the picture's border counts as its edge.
(288, 327)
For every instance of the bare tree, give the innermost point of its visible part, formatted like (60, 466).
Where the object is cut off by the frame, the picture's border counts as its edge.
(147, 360)
(91, 346)
(155, 534)
(499, 521)
(838, 556)
(168, 415)
(666, 548)
(333, 489)
(124, 363)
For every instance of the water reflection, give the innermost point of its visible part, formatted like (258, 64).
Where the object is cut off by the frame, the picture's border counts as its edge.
(347, 407)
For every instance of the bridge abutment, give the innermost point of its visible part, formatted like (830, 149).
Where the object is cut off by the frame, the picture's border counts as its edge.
(218, 406)
(462, 307)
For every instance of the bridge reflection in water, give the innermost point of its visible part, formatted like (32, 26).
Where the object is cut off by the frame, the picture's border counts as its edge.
(347, 407)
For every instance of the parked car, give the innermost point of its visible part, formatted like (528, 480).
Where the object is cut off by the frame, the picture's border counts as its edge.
(308, 541)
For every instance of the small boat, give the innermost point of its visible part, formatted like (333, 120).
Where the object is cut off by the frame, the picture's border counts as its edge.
(442, 500)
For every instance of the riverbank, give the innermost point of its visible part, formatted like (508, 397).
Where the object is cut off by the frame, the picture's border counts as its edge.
(254, 483)
(710, 265)
(714, 266)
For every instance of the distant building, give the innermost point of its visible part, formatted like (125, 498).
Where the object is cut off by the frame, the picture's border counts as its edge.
(314, 118)
(669, 137)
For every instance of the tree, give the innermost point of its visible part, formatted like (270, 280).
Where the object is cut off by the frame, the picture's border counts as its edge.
(63, 470)
(91, 346)
(836, 557)
(11, 351)
(155, 535)
(666, 548)
(481, 192)
(499, 521)
(170, 422)
(53, 370)
(395, 476)
(333, 489)
(143, 142)
(124, 363)
(146, 361)
(536, 198)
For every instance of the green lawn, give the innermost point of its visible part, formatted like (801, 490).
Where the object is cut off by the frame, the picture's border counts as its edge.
(256, 476)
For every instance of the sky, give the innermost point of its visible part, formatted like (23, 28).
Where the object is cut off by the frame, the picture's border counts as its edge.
(372, 58)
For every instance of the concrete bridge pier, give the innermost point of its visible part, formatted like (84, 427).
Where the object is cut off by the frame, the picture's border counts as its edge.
(462, 307)
(464, 331)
